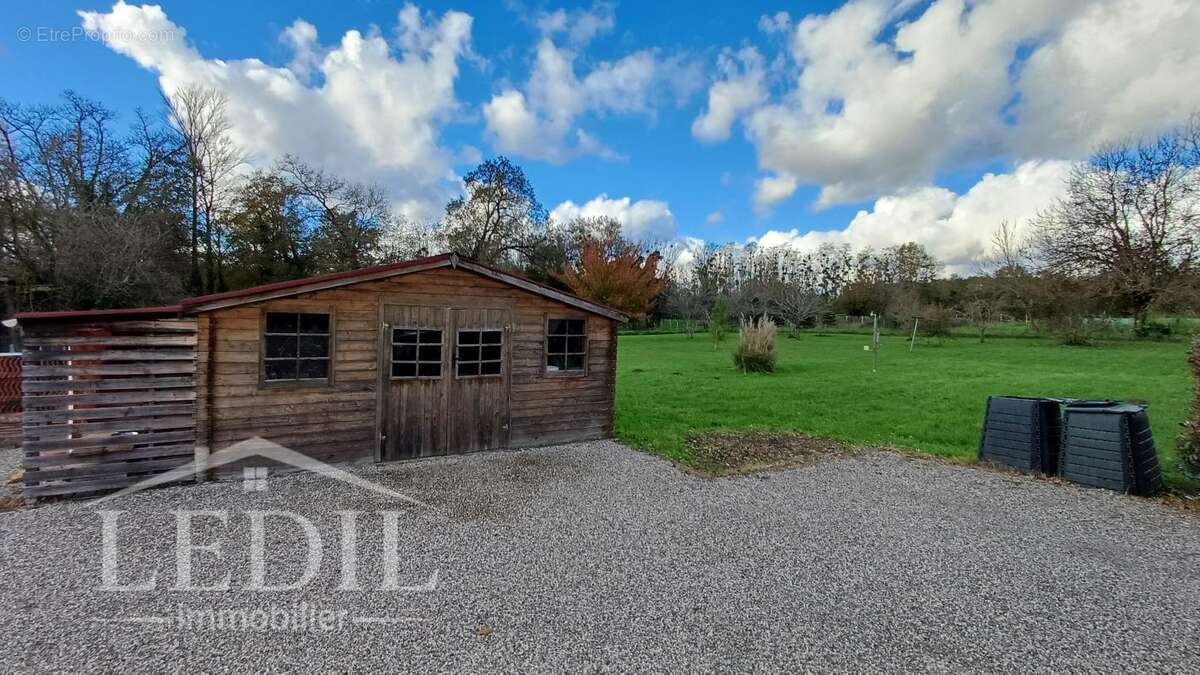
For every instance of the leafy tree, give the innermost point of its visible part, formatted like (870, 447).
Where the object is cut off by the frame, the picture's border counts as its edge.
(267, 236)
(617, 273)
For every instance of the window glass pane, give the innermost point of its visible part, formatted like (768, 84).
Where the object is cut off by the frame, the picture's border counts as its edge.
(574, 326)
(556, 345)
(314, 369)
(314, 345)
(431, 337)
(404, 353)
(431, 353)
(314, 323)
(429, 370)
(492, 337)
(575, 362)
(404, 336)
(490, 353)
(280, 370)
(468, 369)
(489, 368)
(281, 346)
(556, 327)
(281, 323)
(468, 337)
(468, 353)
(404, 370)
(555, 362)
(575, 344)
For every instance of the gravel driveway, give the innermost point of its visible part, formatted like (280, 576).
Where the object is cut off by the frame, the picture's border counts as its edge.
(593, 557)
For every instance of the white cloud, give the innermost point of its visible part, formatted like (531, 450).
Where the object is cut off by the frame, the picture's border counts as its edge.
(372, 110)
(714, 218)
(740, 89)
(1120, 69)
(539, 122)
(646, 220)
(878, 99)
(955, 228)
(580, 25)
(770, 190)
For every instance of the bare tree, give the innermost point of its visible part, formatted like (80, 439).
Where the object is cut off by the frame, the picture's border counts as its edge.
(684, 300)
(210, 160)
(88, 216)
(796, 305)
(1128, 221)
(496, 217)
(347, 220)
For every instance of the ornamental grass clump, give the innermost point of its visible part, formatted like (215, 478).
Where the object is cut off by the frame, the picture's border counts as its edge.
(756, 345)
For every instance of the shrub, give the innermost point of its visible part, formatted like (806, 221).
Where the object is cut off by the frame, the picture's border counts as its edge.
(1187, 447)
(1153, 329)
(936, 321)
(1072, 331)
(717, 320)
(756, 346)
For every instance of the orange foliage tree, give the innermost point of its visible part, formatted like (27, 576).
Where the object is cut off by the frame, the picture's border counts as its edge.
(616, 273)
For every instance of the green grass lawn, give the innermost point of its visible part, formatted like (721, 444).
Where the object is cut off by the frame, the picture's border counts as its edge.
(930, 400)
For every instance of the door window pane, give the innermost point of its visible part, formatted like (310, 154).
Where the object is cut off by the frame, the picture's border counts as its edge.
(416, 352)
(479, 352)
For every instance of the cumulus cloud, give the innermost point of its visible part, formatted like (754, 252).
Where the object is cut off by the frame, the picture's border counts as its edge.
(364, 108)
(645, 220)
(770, 190)
(538, 121)
(879, 99)
(741, 88)
(955, 228)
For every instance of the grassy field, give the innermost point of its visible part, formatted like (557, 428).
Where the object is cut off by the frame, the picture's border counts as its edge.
(930, 400)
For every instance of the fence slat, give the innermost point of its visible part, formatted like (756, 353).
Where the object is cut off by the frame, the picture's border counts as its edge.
(112, 341)
(167, 368)
(75, 356)
(106, 404)
(184, 451)
(109, 398)
(59, 386)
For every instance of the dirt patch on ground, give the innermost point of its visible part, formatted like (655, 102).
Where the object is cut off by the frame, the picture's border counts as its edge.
(728, 453)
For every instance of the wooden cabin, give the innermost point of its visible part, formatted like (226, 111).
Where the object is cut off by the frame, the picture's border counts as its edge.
(427, 357)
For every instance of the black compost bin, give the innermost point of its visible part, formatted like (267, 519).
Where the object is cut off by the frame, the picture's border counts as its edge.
(1022, 433)
(1110, 445)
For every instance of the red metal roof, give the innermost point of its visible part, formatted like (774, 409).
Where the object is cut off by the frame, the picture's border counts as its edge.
(190, 305)
(294, 283)
(125, 313)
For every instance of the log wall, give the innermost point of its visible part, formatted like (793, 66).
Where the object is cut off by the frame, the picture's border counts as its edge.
(338, 421)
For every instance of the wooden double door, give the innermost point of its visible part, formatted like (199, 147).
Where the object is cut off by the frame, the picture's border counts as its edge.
(446, 374)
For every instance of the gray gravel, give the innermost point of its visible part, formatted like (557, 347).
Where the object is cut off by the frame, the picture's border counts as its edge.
(597, 557)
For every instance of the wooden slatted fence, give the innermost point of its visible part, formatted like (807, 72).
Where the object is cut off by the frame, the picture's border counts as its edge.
(106, 404)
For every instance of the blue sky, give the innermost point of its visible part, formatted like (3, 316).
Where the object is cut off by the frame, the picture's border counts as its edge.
(933, 119)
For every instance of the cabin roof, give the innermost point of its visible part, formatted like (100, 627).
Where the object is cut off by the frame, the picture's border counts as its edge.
(283, 289)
